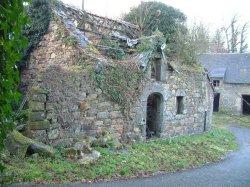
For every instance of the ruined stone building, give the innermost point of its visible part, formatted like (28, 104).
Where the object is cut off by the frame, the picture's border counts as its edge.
(66, 105)
(230, 74)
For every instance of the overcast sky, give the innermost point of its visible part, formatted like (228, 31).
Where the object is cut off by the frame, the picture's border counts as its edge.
(213, 13)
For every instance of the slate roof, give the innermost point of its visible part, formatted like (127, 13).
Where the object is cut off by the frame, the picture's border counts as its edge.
(232, 67)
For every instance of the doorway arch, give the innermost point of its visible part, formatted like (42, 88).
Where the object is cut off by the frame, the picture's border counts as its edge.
(154, 115)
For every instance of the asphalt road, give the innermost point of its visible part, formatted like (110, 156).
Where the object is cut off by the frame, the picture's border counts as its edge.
(231, 172)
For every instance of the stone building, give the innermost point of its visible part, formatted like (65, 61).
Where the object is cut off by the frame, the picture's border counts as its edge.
(230, 74)
(66, 106)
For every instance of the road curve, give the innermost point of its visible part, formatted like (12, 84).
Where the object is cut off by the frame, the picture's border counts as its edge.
(234, 171)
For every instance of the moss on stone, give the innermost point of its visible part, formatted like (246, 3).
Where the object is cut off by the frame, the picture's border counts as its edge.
(39, 125)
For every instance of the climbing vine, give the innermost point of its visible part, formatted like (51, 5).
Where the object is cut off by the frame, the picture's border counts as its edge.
(12, 21)
(114, 50)
(122, 84)
(39, 15)
(123, 81)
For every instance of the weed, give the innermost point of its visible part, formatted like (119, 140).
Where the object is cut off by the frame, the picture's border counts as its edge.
(223, 118)
(141, 158)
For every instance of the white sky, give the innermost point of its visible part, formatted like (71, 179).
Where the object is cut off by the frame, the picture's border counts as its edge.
(213, 13)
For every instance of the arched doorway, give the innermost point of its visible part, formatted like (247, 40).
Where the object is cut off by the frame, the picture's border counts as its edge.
(154, 115)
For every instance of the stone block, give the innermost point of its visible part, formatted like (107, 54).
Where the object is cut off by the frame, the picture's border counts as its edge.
(104, 106)
(36, 106)
(84, 106)
(87, 120)
(102, 115)
(92, 113)
(49, 106)
(117, 122)
(82, 96)
(86, 127)
(39, 125)
(36, 116)
(92, 96)
(98, 123)
(55, 126)
(38, 97)
(107, 121)
(53, 134)
(40, 135)
(116, 114)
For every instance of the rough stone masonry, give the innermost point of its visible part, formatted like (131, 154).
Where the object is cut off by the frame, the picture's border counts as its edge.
(65, 106)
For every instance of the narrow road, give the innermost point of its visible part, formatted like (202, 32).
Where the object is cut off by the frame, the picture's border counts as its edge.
(233, 171)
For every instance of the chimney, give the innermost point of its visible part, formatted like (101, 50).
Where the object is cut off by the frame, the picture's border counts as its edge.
(82, 4)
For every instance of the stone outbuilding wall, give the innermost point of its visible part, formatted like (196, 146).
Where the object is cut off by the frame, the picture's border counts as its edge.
(65, 106)
(231, 97)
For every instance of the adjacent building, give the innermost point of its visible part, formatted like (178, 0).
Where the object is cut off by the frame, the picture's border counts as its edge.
(230, 75)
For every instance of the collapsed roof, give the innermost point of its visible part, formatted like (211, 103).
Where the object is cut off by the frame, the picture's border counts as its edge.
(79, 22)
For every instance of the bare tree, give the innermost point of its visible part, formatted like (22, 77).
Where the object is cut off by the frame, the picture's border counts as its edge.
(217, 43)
(235, 36)
(225, 29)
(243, 44)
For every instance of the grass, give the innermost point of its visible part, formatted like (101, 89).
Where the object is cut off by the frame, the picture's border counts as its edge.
(134, 160)
(222, 118)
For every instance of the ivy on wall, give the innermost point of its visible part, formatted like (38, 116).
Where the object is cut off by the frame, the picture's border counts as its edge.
(39, 15)
(122, 84)
(12, 41)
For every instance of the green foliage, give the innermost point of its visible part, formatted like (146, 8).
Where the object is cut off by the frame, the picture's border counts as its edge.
(185, 46)
(12, 21)
(113, 49)
(169, 155)
(39, 14)
(152, 43)
(70, 40)
(121, 84)
(152, 15)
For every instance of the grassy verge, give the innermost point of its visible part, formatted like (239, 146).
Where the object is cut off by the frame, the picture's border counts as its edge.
(221, 118)
(135, 160)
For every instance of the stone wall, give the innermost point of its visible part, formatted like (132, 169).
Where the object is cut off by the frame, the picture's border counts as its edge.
(230, 97)
(65, 106)
(198, 98)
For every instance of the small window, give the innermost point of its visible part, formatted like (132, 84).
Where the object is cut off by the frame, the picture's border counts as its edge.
(153, 71)
(156, 67)
(180, 104)
(216, 83)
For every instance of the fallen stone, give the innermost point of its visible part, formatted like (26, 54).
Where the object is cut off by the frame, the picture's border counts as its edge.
(83, 146)
(95, 154)
(19, 145)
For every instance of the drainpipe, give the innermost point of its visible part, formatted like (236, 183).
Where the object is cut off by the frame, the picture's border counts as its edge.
(205, 121)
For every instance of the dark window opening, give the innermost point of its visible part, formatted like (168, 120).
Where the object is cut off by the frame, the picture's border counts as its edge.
(153, 70)
(216, 83)
(216, 102)
(154, 115)
(156, 70)
(180, 105)
(246, 104)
